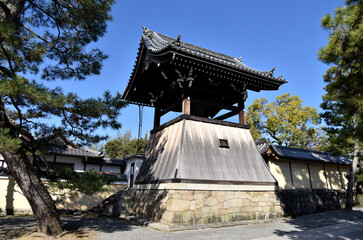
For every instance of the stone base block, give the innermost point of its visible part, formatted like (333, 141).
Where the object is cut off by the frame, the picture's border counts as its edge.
(190, 207)
(296, 202)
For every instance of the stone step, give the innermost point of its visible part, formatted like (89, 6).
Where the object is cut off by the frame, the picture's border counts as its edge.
(119, 204)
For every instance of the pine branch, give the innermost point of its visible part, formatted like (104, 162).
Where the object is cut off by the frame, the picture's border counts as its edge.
(8, 60)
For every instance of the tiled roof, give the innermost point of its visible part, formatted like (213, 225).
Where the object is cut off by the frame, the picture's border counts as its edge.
(158, 45)
(302, 154)
(156, 42)
(263, 145)
(58, 144)
(112, 162)
(77, 152)
(136, 156)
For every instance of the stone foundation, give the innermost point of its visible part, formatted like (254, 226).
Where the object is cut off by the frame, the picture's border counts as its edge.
(297, 202)
(359, 199)
(178, 207)
(190, 207)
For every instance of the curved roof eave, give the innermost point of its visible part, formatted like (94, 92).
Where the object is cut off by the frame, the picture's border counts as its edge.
(156, 43)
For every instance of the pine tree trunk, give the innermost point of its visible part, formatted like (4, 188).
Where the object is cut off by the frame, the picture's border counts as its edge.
(350, 201)
(22, 170)
(42, 205)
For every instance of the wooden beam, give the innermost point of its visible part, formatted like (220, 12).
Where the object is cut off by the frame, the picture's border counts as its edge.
(226, 115)
(215, 104)
(218, 92)
(168, 108)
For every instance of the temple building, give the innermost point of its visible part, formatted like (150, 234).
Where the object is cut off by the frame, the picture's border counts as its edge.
(199, 168)
(296, 168)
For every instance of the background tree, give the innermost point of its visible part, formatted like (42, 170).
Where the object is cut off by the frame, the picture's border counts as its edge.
(123, 146)
(89, 182)
(285, 121)
(49, 37)
(343, 101)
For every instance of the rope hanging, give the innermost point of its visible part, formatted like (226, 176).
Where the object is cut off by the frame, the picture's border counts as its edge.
(141, 108)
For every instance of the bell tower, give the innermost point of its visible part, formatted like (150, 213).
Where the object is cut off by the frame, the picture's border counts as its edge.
(199, 150)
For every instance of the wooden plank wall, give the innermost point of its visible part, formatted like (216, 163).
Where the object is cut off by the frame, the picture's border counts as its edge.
(191, 150)
(309, 175)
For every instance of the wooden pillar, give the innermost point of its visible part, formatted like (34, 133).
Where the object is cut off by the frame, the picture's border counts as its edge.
(311, 184)
(157, 116)
(341, 178)
(85, 163)
(241, 105)
(242, 114)
(292, 177)
(186, 106)
(242, 117)
(326, 177)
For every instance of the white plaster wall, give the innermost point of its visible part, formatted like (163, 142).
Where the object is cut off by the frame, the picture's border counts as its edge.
(281, 171)
(318, 178)
(2, 162)
(11, 197)
(77, 161)
(78, 165)
(111, 169)
(334, 179)
(345, 172)
(138, 162)
(300, 174)
(95, 167)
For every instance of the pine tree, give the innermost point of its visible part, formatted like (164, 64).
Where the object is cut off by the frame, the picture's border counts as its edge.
(343, 101)
(49, 37)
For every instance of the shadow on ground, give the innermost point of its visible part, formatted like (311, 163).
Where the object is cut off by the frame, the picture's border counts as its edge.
(101, 224)
(325, 225)
(14, 227)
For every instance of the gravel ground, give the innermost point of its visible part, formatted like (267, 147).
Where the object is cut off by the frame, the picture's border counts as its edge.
(338, 224)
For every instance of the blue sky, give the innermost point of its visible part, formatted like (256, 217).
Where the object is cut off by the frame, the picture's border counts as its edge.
(265, 33)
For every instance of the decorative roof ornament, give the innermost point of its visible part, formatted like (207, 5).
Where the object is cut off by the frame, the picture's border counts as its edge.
(178, 39)
(271, 72)
(240, 59)
(146, 31)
